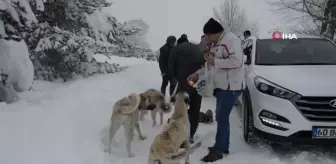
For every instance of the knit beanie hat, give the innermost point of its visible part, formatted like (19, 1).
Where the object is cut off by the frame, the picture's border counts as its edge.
(212, 27)
(182, 40)
(171, 39)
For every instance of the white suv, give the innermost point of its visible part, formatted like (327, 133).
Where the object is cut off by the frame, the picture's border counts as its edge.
(291, 91)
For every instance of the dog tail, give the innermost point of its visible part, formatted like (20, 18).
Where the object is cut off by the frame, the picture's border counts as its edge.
(186, 152)
(129, 104)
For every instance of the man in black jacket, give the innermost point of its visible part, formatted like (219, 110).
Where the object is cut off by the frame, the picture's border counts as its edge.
(185, 59)
(247, 46)
(163, 64)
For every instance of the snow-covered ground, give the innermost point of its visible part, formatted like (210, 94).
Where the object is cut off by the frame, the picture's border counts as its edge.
(67, 124)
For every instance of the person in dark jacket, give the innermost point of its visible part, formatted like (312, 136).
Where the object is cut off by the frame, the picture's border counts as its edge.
(182, 39)
(185, 59)
(247, 46)
(163, 64)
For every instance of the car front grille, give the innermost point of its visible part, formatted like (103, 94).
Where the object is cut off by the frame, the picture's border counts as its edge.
(317, 108)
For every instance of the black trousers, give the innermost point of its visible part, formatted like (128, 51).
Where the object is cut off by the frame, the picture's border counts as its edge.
(194, 107)
(172, 83)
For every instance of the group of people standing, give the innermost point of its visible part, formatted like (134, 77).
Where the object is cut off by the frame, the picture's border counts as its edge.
(180, 59)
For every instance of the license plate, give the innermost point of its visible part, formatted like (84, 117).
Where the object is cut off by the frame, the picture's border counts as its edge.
(324, 132)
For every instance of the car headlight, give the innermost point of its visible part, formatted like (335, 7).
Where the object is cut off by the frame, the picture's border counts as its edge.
(267, 87)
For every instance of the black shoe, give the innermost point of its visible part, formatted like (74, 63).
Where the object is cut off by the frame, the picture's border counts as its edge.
(212, 149)
(212, 156)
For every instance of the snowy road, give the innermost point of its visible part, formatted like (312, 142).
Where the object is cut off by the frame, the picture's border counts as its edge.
(66, 124)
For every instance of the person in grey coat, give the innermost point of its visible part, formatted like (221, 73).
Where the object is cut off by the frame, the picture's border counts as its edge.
(185, 59)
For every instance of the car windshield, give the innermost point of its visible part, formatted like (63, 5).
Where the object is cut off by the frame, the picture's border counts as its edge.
(295, 52)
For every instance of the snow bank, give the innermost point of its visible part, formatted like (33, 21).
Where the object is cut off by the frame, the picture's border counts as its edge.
(14, 61)
(100, 58)
(122, 61)
(129, 61)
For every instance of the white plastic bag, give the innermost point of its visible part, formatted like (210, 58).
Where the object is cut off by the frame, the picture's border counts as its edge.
(205, 83)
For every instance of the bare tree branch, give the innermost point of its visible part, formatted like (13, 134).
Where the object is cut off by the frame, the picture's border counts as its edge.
(234, 19)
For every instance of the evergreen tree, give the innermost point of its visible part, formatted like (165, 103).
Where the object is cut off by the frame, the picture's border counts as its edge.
(16, 16)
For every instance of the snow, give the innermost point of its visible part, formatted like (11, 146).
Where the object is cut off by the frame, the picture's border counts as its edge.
(14, 61)
(100, 58)
(99, 22)
(122, 61)
(39, 5)
(67, 123)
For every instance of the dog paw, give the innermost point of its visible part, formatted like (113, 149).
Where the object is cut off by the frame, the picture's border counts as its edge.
(142, 137)
(131, 155)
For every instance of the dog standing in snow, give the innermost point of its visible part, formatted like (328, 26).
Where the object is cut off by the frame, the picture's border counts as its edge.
(126, 113)
(153, 114)
(165, 147)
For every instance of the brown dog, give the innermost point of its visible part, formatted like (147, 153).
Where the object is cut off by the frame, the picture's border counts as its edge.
(126, 113)
(165, 147)
(154, 112)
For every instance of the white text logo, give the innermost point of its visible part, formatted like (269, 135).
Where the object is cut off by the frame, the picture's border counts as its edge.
(277, 35)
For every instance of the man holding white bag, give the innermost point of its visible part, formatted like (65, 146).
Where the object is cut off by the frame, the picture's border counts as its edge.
(226, 60)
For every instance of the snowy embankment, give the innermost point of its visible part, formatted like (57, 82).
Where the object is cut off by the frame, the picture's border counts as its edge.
(122, 61)
(67, 123)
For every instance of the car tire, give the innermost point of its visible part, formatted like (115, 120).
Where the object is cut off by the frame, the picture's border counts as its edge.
(248, 124)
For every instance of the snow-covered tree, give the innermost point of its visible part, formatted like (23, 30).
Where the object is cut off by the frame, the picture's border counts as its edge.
(64, 35)
(84, 17)
(234, 18)
(140, 38)
(105, 28)
(70, 33)
(16, 16)
(16, 69)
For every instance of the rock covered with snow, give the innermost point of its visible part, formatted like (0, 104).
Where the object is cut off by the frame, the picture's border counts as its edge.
(15, 62)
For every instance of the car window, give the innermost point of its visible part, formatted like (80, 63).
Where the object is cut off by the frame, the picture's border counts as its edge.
(295, 52)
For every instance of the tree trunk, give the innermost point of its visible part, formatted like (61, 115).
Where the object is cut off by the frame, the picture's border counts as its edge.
(327, 11)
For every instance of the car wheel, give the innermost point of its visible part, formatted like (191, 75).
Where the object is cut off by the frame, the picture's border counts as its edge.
(249, 135)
